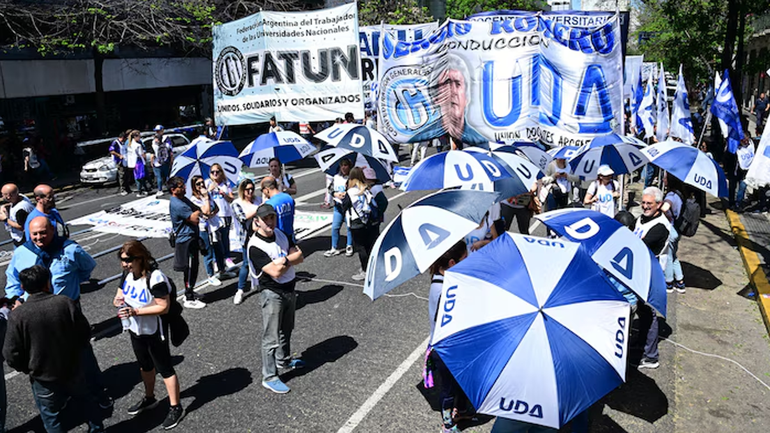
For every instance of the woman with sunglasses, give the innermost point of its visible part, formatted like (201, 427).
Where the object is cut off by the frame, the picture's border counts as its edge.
(244, 208)
(211, 231)
(142, 298)
(286, 183)
(222, 193)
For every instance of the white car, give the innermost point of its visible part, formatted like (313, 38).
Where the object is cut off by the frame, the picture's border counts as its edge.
(103, 170)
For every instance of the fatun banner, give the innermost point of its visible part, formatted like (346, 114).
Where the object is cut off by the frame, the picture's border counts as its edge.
(525, 77)
(369, 38)
(291, 65)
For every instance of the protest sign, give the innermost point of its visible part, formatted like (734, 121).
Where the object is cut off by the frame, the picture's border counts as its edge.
(296, 66)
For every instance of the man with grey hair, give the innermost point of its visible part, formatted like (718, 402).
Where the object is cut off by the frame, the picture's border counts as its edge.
(453, 95)
(653, 227)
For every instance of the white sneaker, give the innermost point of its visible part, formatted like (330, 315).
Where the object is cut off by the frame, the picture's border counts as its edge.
(229, 263)
(332, 252)
(123, 193)
(348, 251)
(361, 276)
(238, 298)
(214, 281)
(194, 304)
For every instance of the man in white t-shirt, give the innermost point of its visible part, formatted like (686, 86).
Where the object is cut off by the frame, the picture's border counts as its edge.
(14, 214)
(274, 126)
(162, 158)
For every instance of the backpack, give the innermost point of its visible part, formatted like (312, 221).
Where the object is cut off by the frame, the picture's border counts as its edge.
(689, 217)
(163, 153)
(366, 208)
(177, 326)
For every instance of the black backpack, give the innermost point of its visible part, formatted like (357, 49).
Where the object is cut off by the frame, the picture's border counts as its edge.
(178, 328)
(689, 217)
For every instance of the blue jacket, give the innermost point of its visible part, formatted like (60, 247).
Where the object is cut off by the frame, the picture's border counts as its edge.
(68, 262)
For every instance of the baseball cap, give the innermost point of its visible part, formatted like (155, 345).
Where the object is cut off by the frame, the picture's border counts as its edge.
(159, 128)
(370, 174)
(265, 209)
(605, 170)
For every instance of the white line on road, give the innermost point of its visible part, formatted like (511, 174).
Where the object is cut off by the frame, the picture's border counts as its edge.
(372, 401)
(313, 194)
(11, 375)
(306, 173)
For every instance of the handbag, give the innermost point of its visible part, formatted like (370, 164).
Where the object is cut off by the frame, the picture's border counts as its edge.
(172, 236)
(534, 205)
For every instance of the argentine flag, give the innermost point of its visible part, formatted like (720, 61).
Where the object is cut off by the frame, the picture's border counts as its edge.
(681, 123)
(725, 109)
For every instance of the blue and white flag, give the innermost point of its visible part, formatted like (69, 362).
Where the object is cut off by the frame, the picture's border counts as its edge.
(759, 171)
(637, 102)
(663, 116)
(532, 330)
(725, 109)
(681, 123)
(646, 112)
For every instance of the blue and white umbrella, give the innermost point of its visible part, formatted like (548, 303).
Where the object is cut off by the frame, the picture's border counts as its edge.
(563, 152)
(457, 168)
(287, 146)
(420, 234)
(358, 138)
(532, 330)
(620, 152)
(615, 248)
(523, 172)
(201, 155)
(329, 161)
(532, 151)
(689, 165)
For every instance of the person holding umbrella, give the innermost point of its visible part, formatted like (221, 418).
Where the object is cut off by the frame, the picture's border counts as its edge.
(211, 230)
(338, 187)
(363, 217)
(603, 192)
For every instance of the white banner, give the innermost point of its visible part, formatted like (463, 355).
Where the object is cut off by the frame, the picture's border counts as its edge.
(759, 172)
(520, 78)
(633, 68)
(296, 66)
(369, 39)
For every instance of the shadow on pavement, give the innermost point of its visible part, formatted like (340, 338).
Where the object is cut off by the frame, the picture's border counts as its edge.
(210, 387)
(317, 355)
(317, 296)
(640, 396)
(727, 237)
(121, 379)
(699, 278)
(226, 291)
(91, 286)
(33, 425)
(317, 244)
(604, 424)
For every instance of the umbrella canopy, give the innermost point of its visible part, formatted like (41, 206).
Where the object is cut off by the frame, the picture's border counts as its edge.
(532, 151)
(563, 152)
(201, 155)
(532, 330)
(358, 138)
(523, 172)
(420, 234)
(689, 165)
(329, 161)
(621, 153)
(457, 168)
(284, 145)
(615, 248)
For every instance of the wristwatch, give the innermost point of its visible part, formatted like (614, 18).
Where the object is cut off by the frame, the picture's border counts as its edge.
(285, 261)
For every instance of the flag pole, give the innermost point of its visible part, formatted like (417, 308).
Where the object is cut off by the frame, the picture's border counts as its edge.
(703, 130)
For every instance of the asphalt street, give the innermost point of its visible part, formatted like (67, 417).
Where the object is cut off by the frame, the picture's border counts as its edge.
(364, 358)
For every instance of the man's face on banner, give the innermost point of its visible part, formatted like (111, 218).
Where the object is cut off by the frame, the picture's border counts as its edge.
(452, 101)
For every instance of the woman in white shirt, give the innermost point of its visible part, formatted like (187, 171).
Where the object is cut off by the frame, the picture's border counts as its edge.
(244, 208)
(136, 163)
(210, 226)
(603, 192)
(339, 186)
(286, 183)
(143, 297)
(222, 193)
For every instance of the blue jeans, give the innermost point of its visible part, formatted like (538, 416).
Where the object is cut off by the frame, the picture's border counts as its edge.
(337, 221)
(214, 251)
(51, 397)
(741, 193)
(243, 273)
(277, 325)
(161, 175)
(648, 175)
(673, 267)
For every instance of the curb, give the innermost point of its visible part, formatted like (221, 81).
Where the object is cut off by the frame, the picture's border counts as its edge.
(56, 190)
(751, 262)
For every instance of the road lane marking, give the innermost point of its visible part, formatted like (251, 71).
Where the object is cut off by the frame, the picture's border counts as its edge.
(383, 389)
(305, 197)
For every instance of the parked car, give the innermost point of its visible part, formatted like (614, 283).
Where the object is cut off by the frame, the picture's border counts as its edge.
(103, 170)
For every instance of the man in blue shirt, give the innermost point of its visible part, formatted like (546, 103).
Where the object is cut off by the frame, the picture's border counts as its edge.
(46, 206)
(283, 204)
(119, 151)
(185, 217)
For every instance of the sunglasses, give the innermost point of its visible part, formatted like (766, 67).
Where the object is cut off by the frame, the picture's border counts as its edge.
(128, 259)
(200, 184)
(248, 189)
(215, 172)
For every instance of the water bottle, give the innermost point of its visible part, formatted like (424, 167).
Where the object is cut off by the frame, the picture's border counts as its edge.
(124, 321)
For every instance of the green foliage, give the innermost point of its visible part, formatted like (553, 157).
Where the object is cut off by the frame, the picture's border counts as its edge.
(460, 9)
(374, 12)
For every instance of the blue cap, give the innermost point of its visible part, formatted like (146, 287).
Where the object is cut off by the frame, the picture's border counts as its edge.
(159, 128)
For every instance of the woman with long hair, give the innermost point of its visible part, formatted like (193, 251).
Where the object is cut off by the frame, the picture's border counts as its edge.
(362, 217)
(210, 226)
(222, 193)
(338, 186)
(136, 156)
(143, 297)
(244, 208)
(286, 183)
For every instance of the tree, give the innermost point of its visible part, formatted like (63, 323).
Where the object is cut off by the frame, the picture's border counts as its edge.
(375, 12)
(54, 27)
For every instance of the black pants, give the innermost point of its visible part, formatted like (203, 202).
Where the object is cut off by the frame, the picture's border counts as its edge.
(523, 217)
(153, 352)
(363, 241)
(187, 260)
